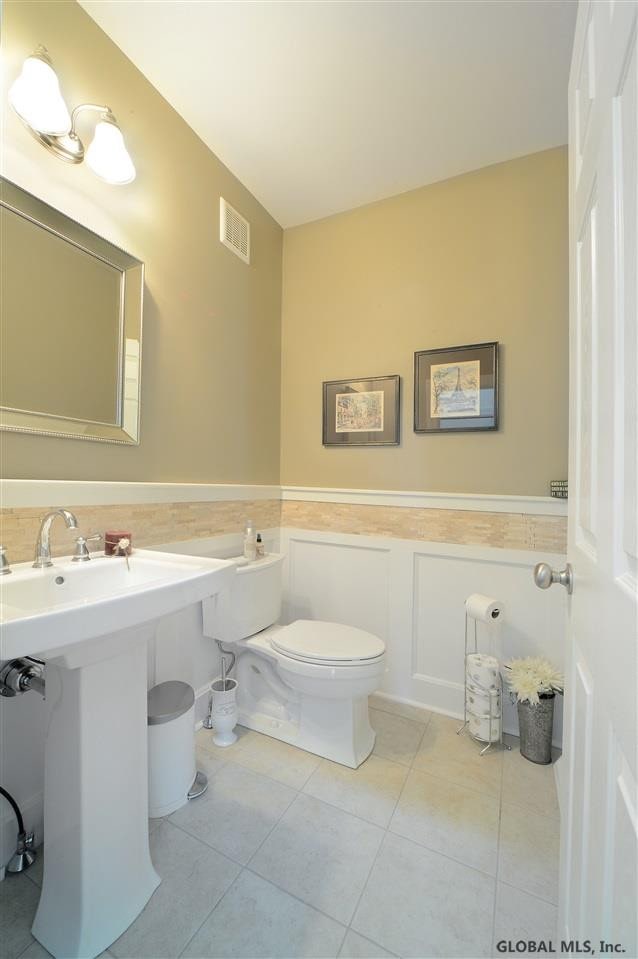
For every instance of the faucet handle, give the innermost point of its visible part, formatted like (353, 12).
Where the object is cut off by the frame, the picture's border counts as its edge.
(82, 554)
(5, 568)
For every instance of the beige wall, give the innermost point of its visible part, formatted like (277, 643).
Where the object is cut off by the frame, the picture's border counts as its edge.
(476, 258)
(211, 353)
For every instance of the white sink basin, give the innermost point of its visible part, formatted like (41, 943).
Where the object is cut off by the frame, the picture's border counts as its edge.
(91, 622)
(42, 611)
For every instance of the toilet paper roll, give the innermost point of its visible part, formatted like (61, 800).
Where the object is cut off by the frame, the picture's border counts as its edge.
(484, 608)
(480, 728)
(482, 670)
(481, 703)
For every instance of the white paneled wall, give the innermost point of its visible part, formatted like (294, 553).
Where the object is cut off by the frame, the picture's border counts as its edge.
(412, 595)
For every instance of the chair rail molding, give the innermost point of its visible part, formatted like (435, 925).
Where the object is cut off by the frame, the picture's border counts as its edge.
(476, 502)
(17, 493)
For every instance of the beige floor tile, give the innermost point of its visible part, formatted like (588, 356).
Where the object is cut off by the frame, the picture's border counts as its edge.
(18, 902)
(420, 904)
(528, 784)
(208, 762)
(371, 791)
(204, 740)
(450, 819)
(358, 947)
(257, 919)
(270, 757)
(528, 852)
(236, 813)
(194, 878)
(397, 738)
(320, 854)
(35, 872)
(417, 713)
(457, 758)
(521, 916)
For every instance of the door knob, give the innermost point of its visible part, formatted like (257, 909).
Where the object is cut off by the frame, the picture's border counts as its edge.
(545, 576)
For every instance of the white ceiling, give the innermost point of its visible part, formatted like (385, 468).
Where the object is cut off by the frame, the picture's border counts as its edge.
(323, 106)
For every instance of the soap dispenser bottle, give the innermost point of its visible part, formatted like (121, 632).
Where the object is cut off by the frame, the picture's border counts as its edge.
(250, 541)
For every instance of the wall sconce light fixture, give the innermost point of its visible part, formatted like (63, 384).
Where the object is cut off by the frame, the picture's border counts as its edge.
(36, 98)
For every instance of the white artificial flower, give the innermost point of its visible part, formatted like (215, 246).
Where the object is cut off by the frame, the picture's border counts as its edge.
(532, 677)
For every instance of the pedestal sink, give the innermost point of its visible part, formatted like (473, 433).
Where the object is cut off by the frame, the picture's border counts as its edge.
(90, 622)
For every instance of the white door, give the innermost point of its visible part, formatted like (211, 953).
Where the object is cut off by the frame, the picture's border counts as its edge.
(599, 890)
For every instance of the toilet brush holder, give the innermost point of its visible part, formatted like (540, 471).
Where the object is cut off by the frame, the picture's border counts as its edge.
(224, 711)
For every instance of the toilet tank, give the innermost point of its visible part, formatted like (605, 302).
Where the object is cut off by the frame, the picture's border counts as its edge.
(251, 604)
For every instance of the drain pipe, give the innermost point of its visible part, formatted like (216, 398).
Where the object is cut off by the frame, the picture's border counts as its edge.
(25, 855)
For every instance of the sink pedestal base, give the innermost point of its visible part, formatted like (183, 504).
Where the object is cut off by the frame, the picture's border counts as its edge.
(98, 874)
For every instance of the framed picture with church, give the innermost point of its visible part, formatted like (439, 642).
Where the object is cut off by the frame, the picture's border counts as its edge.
(456, 389)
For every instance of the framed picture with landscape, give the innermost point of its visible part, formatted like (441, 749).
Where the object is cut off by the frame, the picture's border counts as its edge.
(361, 412)
(456, 389)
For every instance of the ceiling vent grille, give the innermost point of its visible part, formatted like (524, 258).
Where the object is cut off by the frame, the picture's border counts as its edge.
(234, 230)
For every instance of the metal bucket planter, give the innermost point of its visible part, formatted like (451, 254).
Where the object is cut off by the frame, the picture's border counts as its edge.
(535, 726)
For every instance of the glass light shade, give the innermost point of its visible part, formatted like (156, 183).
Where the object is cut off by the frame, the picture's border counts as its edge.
(35, 96)
(108, 157)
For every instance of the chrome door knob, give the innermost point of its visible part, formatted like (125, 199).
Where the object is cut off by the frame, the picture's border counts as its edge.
(545, 576)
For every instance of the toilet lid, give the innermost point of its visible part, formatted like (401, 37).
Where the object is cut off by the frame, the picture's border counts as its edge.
(327, 642)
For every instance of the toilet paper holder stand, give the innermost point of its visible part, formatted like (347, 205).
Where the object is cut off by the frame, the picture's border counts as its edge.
(491, 718)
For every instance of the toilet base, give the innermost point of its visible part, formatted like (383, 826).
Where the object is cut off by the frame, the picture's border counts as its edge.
(338, 730)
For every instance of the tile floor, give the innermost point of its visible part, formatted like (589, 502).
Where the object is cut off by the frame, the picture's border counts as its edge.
(426, 850)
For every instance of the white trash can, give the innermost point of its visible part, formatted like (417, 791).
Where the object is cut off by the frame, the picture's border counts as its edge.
(171, 747)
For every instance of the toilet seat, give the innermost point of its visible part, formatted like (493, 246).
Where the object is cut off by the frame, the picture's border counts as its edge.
(327, 644)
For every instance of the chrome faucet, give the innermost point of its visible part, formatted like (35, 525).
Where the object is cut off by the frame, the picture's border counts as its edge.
(43, 542)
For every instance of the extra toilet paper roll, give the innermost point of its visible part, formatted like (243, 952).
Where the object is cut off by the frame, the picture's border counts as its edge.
(482, 670)
(482, 703)
(480, 728)
(484, 608)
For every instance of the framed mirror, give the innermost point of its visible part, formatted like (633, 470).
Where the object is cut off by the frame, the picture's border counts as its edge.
(70, 326)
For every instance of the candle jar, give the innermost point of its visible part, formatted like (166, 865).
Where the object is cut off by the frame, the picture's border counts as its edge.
(112, 540)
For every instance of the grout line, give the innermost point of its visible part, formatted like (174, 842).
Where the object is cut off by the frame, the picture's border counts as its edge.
(28, 945)
(274, 826)
(410, 719)
(204, 843)
(343, 939)
(208, 915)
(534, 895)
(374, 861)
(297, 898)
(533, 812)
(235, 762)
(452, 782)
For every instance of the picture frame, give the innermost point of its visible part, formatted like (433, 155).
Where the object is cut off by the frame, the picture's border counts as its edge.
(456, 389)
(362, 412)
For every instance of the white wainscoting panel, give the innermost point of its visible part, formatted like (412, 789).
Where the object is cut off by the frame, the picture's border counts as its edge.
(412, 595)
(320, 583)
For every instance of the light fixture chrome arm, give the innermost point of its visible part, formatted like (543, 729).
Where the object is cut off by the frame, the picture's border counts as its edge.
(96, 108)
(69, 147)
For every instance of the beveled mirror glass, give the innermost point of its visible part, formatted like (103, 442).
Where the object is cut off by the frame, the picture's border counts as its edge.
(70, 326)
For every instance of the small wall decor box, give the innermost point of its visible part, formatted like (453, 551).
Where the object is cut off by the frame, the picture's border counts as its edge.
(361, 412)
(456, 389)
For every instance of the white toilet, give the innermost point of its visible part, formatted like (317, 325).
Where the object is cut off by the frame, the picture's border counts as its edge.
(307, 683)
